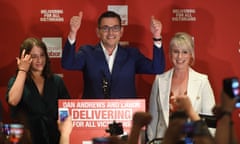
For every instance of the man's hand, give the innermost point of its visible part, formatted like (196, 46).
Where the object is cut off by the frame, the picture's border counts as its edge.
(75, 24)
(156, 27)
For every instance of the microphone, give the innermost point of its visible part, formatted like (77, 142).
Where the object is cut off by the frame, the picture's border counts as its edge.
(105, 87)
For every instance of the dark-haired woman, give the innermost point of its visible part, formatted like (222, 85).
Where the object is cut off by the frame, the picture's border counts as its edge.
(34, 92)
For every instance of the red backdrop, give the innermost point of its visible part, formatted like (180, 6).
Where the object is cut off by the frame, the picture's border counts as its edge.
(214, 25)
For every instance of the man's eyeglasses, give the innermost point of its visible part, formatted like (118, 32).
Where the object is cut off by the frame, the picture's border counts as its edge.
(115, 28)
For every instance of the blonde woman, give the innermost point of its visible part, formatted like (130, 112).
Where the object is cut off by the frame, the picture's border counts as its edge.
(180, 80)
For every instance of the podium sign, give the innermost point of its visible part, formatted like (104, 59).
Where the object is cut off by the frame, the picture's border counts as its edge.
(91, 117)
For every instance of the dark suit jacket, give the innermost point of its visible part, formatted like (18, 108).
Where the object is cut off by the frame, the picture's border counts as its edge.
(121, 82)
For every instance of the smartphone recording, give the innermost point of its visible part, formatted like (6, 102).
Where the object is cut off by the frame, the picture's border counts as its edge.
(231, 86)
(63, 113)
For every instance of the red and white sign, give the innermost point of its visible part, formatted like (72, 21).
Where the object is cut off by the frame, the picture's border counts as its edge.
(54, 46)
(92, 117)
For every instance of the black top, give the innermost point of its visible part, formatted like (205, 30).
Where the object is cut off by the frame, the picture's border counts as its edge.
(41, 110)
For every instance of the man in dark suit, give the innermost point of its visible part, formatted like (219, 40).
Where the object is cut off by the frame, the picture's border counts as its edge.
(108, 68)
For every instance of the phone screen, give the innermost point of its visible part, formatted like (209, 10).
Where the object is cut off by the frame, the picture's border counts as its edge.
(232, 87)
(63, 113)
(236, 91)
(101, 140)
(188, 140)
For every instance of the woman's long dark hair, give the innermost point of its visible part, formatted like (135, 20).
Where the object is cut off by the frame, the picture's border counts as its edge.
(27, 45)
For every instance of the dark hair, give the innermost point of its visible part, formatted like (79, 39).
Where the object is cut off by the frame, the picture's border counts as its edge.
(109, 14)
(28, 44)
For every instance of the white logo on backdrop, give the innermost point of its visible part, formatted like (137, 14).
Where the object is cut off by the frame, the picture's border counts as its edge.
(54, 46)
(184, 15)
(51, 15)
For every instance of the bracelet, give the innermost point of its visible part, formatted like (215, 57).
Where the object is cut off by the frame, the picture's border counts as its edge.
(157, 39)
(22, 70)
(223, 113)
(219, 112)
(226, 113)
